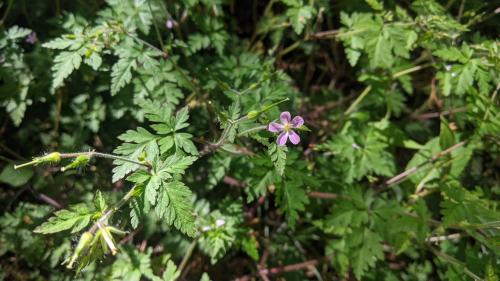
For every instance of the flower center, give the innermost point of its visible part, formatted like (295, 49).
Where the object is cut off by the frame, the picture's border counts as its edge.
(287, 127)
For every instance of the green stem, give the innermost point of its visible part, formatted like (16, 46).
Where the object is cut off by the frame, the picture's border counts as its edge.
(289, 48)
(104, 155)
(355, 104)
(410, 70)
(254, 129)
(144, 43)
(188, 254)
(25, 164)
(158, 35)
(455, 262)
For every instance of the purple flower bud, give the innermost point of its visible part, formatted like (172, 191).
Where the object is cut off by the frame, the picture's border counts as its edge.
(32, 38)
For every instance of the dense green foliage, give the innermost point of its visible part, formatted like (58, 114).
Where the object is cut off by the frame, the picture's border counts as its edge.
(137, 143)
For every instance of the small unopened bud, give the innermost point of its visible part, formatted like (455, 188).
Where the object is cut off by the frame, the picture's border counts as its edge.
(253, 114)
(206, 228)
(79, 161)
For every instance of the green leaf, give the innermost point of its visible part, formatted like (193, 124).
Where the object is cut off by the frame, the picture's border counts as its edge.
(138, 141)
(152, 187)
(16, 32)
(171, 273)
(100, 202)
(139, 176)
(181, 119)
(375, 4)
(64, 64)
(205, 277)
(249, 245)
(369, 252)
(176, 207)
(382, 56)
(14, 177)
(177, 164)
(61, 43)
(121, 73)
(299, 16)
(446, 136)
(291, 198)
(278, 157)
(76, 218)
(465, 78)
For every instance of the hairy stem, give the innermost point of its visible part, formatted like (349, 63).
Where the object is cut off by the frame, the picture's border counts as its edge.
(104, 155)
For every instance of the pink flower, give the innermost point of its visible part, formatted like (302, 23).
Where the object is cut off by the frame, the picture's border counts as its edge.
(285, 128)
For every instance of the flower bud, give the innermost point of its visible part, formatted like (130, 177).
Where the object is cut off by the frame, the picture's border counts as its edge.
(253, 114)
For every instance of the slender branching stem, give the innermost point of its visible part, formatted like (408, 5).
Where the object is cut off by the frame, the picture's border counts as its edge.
(188, 254)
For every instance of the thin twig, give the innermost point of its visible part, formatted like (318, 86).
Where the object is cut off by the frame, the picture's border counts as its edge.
(286, 268)
(402, 176)
(435, 239)
(430, 115)
(358, 100)
(322, 195)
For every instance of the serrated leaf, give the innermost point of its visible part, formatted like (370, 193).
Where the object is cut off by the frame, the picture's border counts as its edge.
(465, 78)
(291, 199)
(181, 119)
(375, 4)
(64, 64)
(177, 164)
(352, 56)
(16, 32)
(175, 206)
(446, 136)
(299, 17)
(171, 273)
(369, 252)
(278, 157)
(152, 187)
(121, 73)
(139, 176)
(76, 218)
(100, 202)
(59, 43)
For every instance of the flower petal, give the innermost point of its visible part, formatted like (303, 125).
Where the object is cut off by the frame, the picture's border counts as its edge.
(282, 138)
(285, 117)
(294, 137)
(297, 121)
(275, 127)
